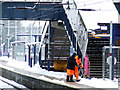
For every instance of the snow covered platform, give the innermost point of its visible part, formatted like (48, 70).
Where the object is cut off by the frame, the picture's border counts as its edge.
(36, 77)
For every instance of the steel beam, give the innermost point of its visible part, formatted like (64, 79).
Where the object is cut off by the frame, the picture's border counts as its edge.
(16, 10)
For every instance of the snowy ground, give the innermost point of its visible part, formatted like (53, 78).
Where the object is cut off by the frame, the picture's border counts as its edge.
(5, 83)
(94, 82)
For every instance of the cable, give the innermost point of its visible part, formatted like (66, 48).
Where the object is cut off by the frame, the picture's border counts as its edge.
(48, 9)
(44, 11)
(94, 3)
(85, 1)
(47, 15)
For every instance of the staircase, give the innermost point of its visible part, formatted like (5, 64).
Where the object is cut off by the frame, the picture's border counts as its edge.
(59, 47)
(94, 52)
(71, 32)
(60, 44)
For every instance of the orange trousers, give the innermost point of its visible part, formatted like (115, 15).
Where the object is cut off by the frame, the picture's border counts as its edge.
(70, 72)
(76, 73)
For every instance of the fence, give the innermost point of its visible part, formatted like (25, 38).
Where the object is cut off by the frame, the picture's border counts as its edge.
(106, 61)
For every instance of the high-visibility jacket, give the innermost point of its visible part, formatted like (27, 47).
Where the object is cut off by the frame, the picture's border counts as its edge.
(78, 61)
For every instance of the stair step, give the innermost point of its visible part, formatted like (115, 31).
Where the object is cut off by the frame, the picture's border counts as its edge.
(94, 64)
(60, 50)
(95, 60)
(94, 51)
(59, 55)
(96, 76)
(60, 39)
(95, 71)
(60, 44)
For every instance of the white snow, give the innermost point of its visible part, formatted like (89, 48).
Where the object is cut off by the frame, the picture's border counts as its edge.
(4, 85)
(99, 83)
(94, 82)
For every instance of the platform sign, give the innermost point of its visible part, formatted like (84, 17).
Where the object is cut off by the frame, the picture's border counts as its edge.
(109, 60)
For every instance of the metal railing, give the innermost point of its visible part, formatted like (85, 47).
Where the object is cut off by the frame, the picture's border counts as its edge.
(107, 59)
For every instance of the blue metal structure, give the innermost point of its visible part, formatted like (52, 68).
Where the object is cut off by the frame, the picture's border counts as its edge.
(45, 11)
(117, 5)
(116, 31)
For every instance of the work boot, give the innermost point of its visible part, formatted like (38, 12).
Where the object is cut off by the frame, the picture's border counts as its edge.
(67, 79)
(71, 79)
(77, 80)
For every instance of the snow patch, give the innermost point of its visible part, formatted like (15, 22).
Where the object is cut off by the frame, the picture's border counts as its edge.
(93, 82)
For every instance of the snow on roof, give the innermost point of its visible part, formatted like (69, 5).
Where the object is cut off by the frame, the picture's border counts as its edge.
(105, 12)
(33, 0)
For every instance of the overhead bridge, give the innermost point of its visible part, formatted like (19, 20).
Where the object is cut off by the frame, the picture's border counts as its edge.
(76, 32)
(19, 10)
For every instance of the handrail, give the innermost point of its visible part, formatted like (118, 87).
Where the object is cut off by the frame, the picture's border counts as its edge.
(77, 25)
(87, 65)
(43, 33)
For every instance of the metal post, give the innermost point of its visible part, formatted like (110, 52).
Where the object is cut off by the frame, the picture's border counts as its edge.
(8, 37)
(40, 57)
(118, 70)
(15, 30)
(25, 57)
(4, 49)
(35, 51)
(13, 51)
(31, 61)
(118, 63)
(31, 33)
(110, 66)
(28, 55)
(34, 54)
(1, 38)
(49, 45)
(103, 64)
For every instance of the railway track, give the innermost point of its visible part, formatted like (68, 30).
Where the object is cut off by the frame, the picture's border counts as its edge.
(9, 84)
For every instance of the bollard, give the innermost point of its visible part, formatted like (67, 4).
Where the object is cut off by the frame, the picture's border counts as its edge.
(8, 55)
(25, 57)
(31, 61)
(48, 64)
(0, 53)
(4, 50)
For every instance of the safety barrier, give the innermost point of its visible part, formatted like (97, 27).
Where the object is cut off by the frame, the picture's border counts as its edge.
(107, 60)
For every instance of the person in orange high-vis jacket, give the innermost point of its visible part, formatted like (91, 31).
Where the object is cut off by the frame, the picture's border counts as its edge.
(71, 63)
(79, 63)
